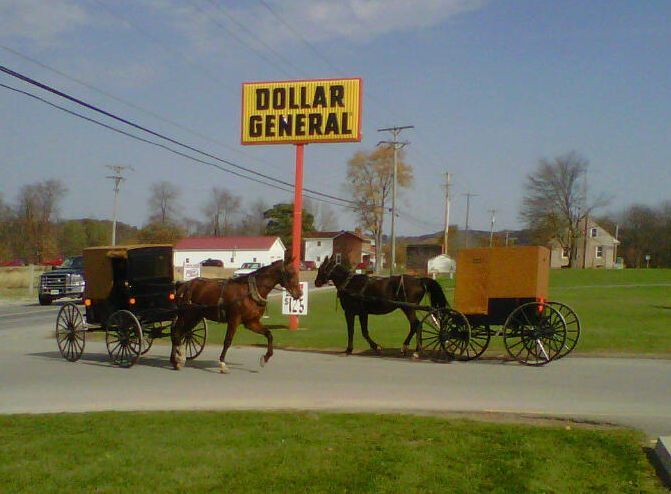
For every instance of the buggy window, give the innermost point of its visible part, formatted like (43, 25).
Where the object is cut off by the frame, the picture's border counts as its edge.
(150, 265)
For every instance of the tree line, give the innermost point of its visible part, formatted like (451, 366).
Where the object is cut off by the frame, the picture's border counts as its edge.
(32, 231)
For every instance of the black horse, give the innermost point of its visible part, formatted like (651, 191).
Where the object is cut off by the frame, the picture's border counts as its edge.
(361, 295)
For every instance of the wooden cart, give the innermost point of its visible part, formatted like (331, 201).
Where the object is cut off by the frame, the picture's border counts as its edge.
(505, 287)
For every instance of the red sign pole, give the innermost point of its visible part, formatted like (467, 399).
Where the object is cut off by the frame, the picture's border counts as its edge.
(298, 221)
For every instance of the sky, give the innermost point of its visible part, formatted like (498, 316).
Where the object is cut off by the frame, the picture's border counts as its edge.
(490, 86)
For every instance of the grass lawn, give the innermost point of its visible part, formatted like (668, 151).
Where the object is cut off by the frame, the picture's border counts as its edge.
(621, 312)
(240, 452)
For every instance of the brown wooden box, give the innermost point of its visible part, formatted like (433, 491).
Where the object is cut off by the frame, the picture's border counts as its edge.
(500, 273)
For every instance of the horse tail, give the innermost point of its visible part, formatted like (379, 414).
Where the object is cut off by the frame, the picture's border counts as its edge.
(435, 291)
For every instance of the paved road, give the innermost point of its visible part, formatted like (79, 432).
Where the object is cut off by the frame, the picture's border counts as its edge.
(34, 378)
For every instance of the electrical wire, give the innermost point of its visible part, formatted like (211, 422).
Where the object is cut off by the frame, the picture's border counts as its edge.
(156, 134)
(160, 145)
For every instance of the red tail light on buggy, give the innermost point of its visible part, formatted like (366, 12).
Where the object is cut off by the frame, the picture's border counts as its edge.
(541, 305)
(87, 302)
(132, 301)
(171, 296)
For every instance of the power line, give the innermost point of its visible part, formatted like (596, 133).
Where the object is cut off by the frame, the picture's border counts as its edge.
(163, 146)
(130, 104)
(157, 134)
(298, 35)
(255, 37)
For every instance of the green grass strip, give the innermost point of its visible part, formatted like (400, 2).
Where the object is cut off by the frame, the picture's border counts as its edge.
(241, 452)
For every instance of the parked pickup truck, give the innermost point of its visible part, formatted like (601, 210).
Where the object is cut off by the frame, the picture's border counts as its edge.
(65, 281)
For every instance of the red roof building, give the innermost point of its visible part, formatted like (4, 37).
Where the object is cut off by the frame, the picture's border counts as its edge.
(232, 251)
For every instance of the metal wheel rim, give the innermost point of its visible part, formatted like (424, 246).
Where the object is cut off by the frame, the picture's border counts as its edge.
(444, 334)
(478, 343)
(123, 337)
(195, 339)
(70, 332)
(534, 333)
(572, 328)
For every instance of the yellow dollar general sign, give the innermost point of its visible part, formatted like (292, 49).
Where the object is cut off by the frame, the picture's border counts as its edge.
(298, 112)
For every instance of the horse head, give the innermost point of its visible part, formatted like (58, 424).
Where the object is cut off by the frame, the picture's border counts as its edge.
(324, 271)
(289, 279)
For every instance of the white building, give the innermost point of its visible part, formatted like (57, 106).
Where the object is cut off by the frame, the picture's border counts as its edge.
(345, 246)
(232, 251)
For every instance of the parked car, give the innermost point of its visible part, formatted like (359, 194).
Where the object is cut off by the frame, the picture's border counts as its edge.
(65, 281)
(246, 268)
(217, 263)
(308, 266)
(13, 262)
(364, 268)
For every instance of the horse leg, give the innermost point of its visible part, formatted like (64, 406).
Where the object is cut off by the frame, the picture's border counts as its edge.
(363, 320)
(178, 350)
(349, 317)
(259, 328)
(411, 314)
(231, 327)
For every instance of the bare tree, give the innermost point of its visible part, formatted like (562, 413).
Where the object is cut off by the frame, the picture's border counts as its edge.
(36, 211)
(163, 205)
(555, 201)
(369, 180)
(219, 209)
(253, 222)
(325, 217)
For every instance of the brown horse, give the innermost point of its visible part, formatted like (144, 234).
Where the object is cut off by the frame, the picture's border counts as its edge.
(234, 301)
(361, 295)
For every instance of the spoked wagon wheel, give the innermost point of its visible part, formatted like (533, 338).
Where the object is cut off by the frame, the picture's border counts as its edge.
(70, 332)
(534, 333)
(444, 334)
(123, 338)
(572, 328)
(480, 337)
(195, 340)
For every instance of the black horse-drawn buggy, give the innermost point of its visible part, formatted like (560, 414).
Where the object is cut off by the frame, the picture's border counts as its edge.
(130, 296)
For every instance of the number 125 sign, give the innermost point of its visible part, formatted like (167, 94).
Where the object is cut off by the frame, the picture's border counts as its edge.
(291, 307)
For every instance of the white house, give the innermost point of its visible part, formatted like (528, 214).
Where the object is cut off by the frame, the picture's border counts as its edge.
(232, 251)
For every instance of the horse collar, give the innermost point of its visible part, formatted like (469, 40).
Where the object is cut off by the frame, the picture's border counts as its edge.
(350, 275)
(254, 291)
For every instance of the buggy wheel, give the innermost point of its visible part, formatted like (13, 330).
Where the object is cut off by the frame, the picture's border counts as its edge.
(147, 342)
(444, 334)
(70, 332)
(534, 333)
(195, 340)
(478, 343)
(572, 328)
(124, 338)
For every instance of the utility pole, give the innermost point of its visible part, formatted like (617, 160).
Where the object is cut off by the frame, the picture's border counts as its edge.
(117, 178)
(448, 184)
(491, 228)
(395, 131)
(468, 209)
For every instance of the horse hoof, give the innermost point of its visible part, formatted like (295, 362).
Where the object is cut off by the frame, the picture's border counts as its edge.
(222, 368)
(415, 356)
(262, 361)
(404, 350)
(378, 349)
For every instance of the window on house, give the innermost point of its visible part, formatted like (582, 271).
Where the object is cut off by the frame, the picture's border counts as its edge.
(599, 251)
(338, 257)
(254, 259)
(592, 232)
(232, 259)
(318, 258)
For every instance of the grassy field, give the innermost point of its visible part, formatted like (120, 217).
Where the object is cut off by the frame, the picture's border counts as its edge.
(242, 452)
(621, 312)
